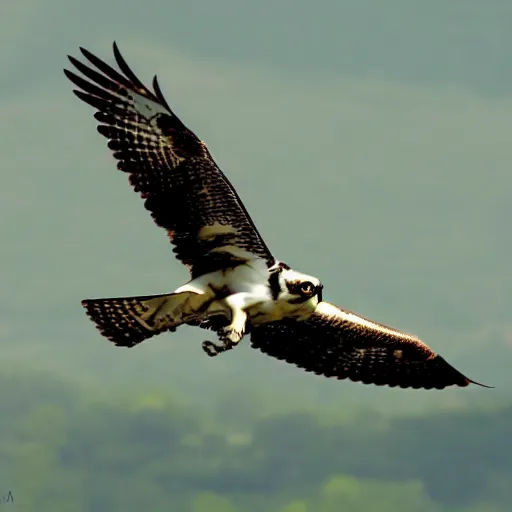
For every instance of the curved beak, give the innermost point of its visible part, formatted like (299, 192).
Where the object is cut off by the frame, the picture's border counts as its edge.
(319, 293)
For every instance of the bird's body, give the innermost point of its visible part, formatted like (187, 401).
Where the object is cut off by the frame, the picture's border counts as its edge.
(237, 286)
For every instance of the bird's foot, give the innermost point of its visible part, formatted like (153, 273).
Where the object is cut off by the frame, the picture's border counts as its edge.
(228, 338)
(231, 334)
(213, 349)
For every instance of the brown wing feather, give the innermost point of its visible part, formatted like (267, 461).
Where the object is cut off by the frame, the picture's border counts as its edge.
(118, 319)
(340, 344)
(170, 167)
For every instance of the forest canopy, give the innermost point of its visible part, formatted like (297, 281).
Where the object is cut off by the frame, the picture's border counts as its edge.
(71, 448)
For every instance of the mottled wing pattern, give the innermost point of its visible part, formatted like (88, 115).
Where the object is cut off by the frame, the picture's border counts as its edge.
(340, 344)
(185, 191)
(127, 321)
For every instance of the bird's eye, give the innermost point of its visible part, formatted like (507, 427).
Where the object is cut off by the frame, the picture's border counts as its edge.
(307, 288)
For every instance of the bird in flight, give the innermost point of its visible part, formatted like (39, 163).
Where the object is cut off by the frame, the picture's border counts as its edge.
(236, 285)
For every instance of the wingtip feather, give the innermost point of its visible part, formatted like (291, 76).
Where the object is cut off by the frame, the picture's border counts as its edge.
(469, 381)
(73, 60)
(159, 94)
(117, 53)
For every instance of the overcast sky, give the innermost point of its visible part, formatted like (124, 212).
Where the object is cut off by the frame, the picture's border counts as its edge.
(370, 141)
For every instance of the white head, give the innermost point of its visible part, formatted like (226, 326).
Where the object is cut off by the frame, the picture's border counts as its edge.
(292, 286)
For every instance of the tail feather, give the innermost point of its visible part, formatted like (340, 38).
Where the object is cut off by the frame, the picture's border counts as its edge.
(128, 321)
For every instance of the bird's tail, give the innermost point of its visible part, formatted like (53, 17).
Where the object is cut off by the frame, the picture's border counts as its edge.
(128, 321)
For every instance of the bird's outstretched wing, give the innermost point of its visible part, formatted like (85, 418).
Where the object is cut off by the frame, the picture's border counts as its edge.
(185, 191)
(340, 344)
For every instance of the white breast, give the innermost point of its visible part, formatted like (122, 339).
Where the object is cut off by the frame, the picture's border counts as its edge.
(250, 277)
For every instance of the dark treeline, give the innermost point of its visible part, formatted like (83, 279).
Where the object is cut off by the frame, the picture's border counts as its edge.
(66, 448)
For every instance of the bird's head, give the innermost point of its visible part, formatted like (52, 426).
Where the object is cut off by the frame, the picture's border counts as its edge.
(292, 286)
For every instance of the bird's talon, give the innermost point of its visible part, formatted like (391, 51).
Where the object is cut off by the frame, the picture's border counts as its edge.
(211, 348)
(231, 335)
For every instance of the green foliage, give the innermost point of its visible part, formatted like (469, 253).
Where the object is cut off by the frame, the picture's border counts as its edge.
(295, 506)
(67, 449)
(211, 502)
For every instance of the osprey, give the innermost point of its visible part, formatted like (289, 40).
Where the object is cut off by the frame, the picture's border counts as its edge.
(237, 286)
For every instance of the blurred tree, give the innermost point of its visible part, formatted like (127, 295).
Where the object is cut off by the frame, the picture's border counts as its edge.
(211, 502)
(67, 449)
(295, 506)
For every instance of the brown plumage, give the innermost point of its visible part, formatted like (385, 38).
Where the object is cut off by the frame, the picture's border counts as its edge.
(119, 319)
(343, 345)
(169, 166)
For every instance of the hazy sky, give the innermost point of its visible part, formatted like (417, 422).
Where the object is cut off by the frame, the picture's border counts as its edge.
(370, 141)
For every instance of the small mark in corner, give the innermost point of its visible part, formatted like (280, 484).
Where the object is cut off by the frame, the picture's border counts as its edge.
(6, 498)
